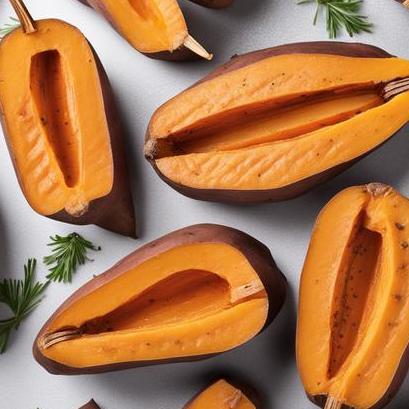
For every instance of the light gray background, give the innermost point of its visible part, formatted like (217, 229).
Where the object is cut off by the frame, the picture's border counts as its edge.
(141, 85)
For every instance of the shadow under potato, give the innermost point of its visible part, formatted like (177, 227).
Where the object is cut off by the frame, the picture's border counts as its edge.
(133, 164)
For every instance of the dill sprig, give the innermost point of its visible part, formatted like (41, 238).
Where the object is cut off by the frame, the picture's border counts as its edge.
(342, 14)
(22, 297)
(67, 254)
(9, 27)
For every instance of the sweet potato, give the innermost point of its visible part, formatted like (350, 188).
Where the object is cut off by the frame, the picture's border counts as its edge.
(271, 124)
(182, 297)
(62, 128)
(353, 325)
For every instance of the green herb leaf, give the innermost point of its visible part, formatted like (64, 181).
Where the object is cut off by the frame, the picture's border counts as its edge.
(67, 254)
(341, 14)
(9, 27)
(22, 297)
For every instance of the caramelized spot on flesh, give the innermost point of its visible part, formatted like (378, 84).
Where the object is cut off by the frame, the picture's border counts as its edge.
(50, 91)
(355, 280)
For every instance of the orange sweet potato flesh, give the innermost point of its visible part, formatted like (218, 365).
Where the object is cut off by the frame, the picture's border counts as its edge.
(272, 124)
(353, 325)
(179, 298)
(62, 129)
(221, 395)
(156, 28)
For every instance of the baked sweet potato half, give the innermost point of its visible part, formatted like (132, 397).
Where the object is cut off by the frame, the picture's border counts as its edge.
(156, 28)
(191, 294)
(272, 124)
(62, 129)
(221, 395)
(353, 325)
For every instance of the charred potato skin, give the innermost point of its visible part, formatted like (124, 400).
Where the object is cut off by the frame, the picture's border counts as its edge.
(257, 254)
(296, 189)
(119, 201)
(181, 54)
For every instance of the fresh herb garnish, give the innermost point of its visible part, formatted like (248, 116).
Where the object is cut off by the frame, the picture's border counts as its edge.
(22, 297)
(9, 27)
(67, 254)
(341, 13)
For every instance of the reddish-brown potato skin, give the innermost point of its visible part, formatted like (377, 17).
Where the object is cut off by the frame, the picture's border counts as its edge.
(181, 54)
(257, 254)
(114, 212)
(300, 187)
(403, 2)
(90, 405)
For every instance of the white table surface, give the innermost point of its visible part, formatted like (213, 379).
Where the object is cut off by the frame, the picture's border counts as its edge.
(141, 85)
